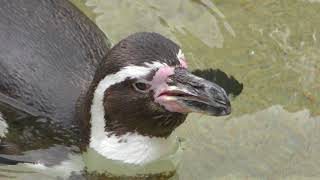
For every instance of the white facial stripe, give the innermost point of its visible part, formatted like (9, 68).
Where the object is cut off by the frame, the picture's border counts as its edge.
(182, 59)
(138, 149)
(3, 126)
(97, 109)
(180, 55)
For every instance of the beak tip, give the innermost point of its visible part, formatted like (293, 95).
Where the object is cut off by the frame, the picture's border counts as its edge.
(224, 112)
(227, 109)
(228, 106)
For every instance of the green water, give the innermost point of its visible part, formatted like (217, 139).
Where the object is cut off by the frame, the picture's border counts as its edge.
(272, 47)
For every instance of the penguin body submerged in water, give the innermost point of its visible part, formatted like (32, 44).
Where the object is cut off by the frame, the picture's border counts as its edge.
(123, 102)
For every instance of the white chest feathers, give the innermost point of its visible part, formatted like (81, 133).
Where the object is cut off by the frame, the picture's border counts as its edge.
(134, 148)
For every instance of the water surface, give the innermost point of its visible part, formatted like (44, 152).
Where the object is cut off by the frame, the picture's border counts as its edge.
(272, 47)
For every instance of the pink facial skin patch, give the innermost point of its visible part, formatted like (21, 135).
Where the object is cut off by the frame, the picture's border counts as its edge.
(159, 85)
(159, 81)
(183, 63)
(172, 105)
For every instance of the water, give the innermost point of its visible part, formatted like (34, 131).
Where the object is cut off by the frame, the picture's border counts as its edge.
(272, 47)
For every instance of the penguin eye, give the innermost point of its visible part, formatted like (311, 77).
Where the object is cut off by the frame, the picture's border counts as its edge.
(141, 87)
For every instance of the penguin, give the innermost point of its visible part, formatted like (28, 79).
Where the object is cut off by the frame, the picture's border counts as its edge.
(59, 73)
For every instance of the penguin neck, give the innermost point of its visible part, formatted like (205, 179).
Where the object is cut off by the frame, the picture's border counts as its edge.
(131, 147)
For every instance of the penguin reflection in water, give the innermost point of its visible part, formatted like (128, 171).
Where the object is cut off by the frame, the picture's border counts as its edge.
(61, 83)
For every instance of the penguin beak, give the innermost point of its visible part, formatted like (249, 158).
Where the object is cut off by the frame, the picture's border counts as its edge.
(189, 93)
